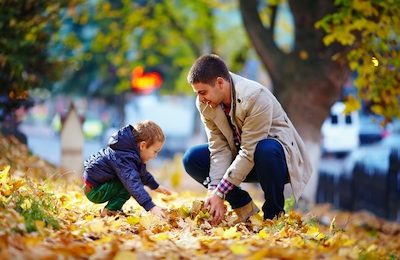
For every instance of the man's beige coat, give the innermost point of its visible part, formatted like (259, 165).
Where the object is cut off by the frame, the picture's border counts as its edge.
(258, 115)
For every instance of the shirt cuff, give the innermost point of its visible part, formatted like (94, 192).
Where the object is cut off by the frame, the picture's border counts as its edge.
(212, 187)
(224, 186)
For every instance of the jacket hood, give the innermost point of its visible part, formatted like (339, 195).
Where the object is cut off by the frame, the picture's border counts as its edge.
(123, 140)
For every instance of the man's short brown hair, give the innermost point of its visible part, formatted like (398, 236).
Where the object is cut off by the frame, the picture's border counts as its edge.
(206, 69)
(149, 132)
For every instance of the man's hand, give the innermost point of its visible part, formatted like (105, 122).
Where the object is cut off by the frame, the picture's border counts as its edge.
(216, 208)
(159, 212)
(163, 190)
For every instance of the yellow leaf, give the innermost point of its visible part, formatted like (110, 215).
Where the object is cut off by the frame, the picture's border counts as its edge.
(40, 226)
(116, 224)
(352, 104)
(239, 249)
(26, 204)
(375, 61)
(372, 248)
(297, 242)
(97, 226)
(256, 220)
(4, 174)
(314, 233)
(122, 255)
(5, 189)
(17, 184)
(332, 225)
(231, 233)
(149, 221)
(160, 237)
(176, 179)
(263, 234)
(103, 240)
(133, 220)
(89, 218)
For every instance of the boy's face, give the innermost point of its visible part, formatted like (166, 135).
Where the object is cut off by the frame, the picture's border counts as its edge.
(148, 153)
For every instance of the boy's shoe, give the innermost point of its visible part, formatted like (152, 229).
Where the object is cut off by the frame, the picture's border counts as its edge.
(106, 212)
(245, 212)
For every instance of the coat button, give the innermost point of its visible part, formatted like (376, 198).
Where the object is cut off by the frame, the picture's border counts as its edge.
(292, 143)
(239, 100)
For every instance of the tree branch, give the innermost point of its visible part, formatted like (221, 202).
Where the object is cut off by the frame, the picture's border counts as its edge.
(262, 38)
(181, 29)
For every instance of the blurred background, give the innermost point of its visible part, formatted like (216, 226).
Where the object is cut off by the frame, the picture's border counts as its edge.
(333, 67)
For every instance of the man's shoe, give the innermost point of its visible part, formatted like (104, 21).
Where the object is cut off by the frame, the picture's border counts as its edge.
(245, 212)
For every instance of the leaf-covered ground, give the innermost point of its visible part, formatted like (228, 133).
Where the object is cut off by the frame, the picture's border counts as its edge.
(44, 217)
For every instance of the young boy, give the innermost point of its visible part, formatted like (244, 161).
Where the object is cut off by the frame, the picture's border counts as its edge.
(116, 173)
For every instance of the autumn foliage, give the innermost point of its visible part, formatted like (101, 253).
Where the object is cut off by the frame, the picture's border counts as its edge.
(44, 217)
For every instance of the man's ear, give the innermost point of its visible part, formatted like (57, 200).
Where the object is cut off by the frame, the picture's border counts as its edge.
(219, 81)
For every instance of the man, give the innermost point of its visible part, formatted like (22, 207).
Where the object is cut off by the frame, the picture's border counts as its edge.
(250, 139)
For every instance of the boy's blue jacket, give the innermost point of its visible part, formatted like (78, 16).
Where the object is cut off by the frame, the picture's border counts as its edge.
(121, 160)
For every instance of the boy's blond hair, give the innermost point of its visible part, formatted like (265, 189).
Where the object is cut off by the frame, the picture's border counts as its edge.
(149, 132)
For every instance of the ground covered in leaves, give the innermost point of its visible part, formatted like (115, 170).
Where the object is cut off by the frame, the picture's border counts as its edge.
(44, 217)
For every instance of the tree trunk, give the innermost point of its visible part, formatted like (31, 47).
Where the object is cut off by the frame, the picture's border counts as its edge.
(307, 81)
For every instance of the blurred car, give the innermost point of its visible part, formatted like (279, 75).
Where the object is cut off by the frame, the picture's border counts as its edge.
(375, 157)
(340, 131)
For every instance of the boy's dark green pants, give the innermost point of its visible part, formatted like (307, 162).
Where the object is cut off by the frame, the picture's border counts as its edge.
(113, 192)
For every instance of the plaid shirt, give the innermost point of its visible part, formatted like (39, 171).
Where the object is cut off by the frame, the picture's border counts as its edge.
(224, 186)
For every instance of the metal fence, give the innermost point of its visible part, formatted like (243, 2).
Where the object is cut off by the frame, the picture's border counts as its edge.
(364, 189)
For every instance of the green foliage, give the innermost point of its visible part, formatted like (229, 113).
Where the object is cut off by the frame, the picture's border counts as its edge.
(25, 29)
(34, 208)
(91, 47)
(371, 30)
(106, 39)
(289, 204)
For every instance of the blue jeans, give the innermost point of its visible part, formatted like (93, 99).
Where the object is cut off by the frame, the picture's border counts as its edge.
(270, 170)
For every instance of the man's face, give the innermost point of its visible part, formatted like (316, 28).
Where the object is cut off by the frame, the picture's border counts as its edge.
(211, 95)
(148, 153)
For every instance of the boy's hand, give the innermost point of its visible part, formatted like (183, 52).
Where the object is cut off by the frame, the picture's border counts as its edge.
(159, 212)
(163, 190)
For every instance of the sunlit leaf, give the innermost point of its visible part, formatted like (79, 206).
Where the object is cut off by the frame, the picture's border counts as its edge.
(239, 249)
(231, 233)
(123, 255)
(4, 174)
(133, 220)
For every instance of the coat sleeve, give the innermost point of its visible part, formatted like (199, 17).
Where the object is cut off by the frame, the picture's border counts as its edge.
(149, 180)
(220, 153)
(255, 127)
(128, 174)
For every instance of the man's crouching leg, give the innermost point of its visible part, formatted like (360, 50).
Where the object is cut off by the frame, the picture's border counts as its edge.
(271, 169)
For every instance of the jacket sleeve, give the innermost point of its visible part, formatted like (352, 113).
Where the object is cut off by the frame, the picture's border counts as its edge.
(220, 153)
(149, 180)
(255, 127)
(128, 174)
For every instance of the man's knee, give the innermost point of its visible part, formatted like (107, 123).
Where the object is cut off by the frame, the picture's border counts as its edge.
(187, 159)
(196, 157)
(268, 149)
